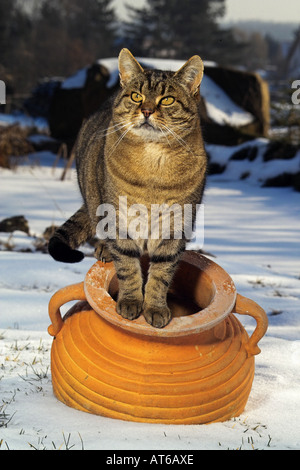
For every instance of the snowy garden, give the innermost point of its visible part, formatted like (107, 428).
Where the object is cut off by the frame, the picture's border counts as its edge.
(251, 205)
(250, 231)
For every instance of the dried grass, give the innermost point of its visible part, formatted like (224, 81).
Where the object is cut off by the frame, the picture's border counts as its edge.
(13, 143)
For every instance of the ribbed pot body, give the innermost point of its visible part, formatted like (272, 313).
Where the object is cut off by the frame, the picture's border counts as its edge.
(103, 369)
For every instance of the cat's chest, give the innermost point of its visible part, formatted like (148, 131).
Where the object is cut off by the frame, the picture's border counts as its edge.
(155, 163)
(145, 164)
(157, 160)
(151, 173)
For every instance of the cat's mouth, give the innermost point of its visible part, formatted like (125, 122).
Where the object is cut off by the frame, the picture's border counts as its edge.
(147, 125)
(147, 130)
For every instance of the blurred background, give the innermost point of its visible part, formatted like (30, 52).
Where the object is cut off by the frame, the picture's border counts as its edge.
(54, 38)
(58, 62)
(251, 52)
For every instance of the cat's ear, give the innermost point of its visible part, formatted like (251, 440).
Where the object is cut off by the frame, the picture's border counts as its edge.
(128, 66)
(191, 73)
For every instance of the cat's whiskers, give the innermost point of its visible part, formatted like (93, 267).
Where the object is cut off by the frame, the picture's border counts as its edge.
(113, 148)
(117, 129)
(182, 126)
(112, 129)
(165, 135)
(177, 137)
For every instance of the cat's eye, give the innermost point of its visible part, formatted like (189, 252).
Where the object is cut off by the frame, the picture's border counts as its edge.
(167, 101)
(136, 97)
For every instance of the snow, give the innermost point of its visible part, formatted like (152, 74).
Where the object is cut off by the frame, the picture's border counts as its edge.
(257, 171)
(220, 108)
(253, 233)
(23, 120)
(75, 81)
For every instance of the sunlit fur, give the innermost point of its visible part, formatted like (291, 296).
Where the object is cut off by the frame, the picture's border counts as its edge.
(151, 153)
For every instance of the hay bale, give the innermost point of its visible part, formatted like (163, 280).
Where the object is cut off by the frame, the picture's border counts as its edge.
(249, 91)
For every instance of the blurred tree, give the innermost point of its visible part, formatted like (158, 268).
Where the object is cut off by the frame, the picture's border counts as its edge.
(257, 51)
(14, 24)
(71, 33)
(15, 27)
(275, 52)
(53, 38)
(172, 28)
(93, 22)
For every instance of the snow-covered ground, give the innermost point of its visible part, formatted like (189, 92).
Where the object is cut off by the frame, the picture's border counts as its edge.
(253, 232)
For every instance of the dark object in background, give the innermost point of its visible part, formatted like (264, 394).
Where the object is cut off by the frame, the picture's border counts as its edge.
(70, 106)
(17, 222)
(38, 104)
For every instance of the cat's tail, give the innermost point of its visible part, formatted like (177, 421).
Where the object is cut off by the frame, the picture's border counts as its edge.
(75, 231)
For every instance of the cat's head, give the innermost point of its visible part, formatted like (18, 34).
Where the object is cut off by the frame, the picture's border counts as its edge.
(158, 104)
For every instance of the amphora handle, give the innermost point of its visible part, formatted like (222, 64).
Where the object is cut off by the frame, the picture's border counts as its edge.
(245, 306)
(61, 297)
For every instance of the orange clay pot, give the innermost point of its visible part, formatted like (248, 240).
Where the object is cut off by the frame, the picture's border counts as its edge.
(198, 369)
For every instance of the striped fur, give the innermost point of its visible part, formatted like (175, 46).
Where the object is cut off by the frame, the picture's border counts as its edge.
(152, 153)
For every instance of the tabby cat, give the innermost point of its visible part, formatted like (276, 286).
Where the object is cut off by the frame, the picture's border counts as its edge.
(145, 144)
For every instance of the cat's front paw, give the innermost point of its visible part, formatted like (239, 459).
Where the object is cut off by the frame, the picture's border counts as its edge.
(102, 253)
(129, 308)
(157, 316)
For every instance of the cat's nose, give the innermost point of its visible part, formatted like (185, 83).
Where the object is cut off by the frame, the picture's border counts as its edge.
(147, 112)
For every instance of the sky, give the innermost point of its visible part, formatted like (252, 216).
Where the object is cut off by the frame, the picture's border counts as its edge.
(264, 10)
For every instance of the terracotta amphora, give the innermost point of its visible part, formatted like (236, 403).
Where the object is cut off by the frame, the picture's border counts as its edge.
(198, 369)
